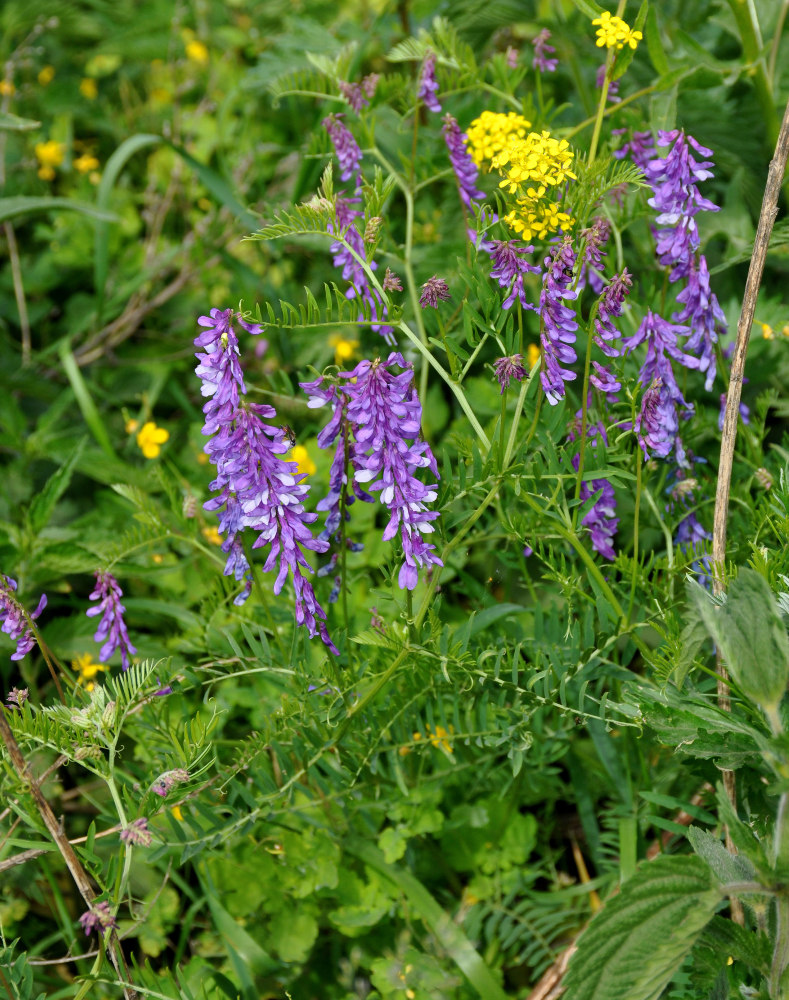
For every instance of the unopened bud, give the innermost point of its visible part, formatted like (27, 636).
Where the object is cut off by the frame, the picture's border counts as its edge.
(372, 229)
(764, 478)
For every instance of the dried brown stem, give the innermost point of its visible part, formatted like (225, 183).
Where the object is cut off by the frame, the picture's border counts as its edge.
(767, 216)
(73, 864)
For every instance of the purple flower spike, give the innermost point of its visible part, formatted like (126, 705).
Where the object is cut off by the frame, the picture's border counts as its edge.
(112, 628)
(510, 368)
(386, 416)
(358, 95)
(640, 149)
(703, 315)
(594, 239)
(559, 323)
(465, 169)
(434, 288)
(98, 918)
(346, 148)
(509, 268)
(541, 61)
(611, 304)
(428, 86)
(600, 519)
(137, 833)
(15, 622)
(16, 697)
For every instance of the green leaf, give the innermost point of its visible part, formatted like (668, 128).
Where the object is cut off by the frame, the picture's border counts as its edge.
(750, 634)
(13, 123)
(640, 938)
(23, 204)
(85, 400)
(625, 57)
(730, 940)
(44, 502)
(588, 8)
(654, 44)
(725, 866)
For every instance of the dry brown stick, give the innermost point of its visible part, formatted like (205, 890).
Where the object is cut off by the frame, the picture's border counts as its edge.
(767, 216)
(36, 852)
(73, 864)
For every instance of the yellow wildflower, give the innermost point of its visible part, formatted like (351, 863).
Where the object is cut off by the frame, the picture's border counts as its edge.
(7, 89)
(301, 457)
(176, 811)
(211, 534)
(157, 558)
(50, 155)
(89, 88)
(46, 76)
(202, 458)
(491, 133)
(539, 159)
(132, 426)
(196, 51)
(767, 331)
(537, 220)
(533, 355)
(85, 163)
(785, 330)
(440, 739)
(151, 438)
(87, 669)
(344, 349)
(613, 32)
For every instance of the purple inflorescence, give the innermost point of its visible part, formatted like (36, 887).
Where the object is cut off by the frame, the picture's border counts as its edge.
(14, 619)
(542, 62)
(137, 833)
(609, 307)
(112, 628)
(558, 321)
(464, 167)
(704, 317)
(593, 240)
(162, 785)
(509, 268)
(16, 697)
(257, 489)
(375, 422)
(359, 95)
(677, 200)
(640, 148)
(509, 368)
(434, 288)
(600, 519)
(346, 148)
(428, 86)
(98, 918)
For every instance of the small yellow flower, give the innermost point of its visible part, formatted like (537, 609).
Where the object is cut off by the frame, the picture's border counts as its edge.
(785, 330)
(85, 163)
(202, 458)
(87, 669)
(344, 349)
(211, 535)
(157, 558)
(160, 95)
(205, 204)
(132, 426)
(151, 438)
(440, 739)
(196, 51)
(613, 32)
(7, 89)
(46, 76)
(176, 811)
(767, 332)
(301, 457)
(50, 153)
(533, 355)
(89, 88)
(46, 173)
(491, 133)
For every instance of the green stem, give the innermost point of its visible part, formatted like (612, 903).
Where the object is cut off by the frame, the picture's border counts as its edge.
(747, 19)
(584, 408)
(502, 422)
(780, 960)
(639, 462)
(609, 59)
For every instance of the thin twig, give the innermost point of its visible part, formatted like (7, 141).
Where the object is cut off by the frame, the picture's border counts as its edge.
(73, 864)
(769, 211)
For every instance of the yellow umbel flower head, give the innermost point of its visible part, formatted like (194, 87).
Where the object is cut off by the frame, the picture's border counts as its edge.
(614, 33)
(85, 163)
(538, 159)
(151, 438)
(537, 220)
(491, 133)
(87, 670)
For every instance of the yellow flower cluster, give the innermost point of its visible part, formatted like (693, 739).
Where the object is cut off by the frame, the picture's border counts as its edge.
(440, 740)
(87, 669)
(49, 154)
(614, 33)
(537, 220)
(491, 133)
(151, 438)
(539, 159)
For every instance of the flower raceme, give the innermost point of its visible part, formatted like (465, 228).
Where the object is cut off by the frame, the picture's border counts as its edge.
(537, 159)
(614, 33)
(112, 628)
(256, 487)
(428, 86)
(490, 134)
(15, 621)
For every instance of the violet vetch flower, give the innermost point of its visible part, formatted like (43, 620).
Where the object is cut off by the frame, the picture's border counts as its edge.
(542, 62)
(465, 169)
(359, 95)
(428, 86)
(603, 379)
(509, 268)
(112, 628)
(600, 519)
(257, 489)
(610, 305)
(509, 368)
(559, 323)
(98, 918)
(640, 148)
(14, 620)
(385, 413)
(345, 147)
(162, 785)
(137, 833)
(16, 697)
(613, 85)
(704, 317)
(434, 288)
(391, 282)
(593, 240)
(677, 200)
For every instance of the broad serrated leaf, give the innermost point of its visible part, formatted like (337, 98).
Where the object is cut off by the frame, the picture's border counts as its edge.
(750, 634)
(725, 866)
(44, 502)
(641, 936)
